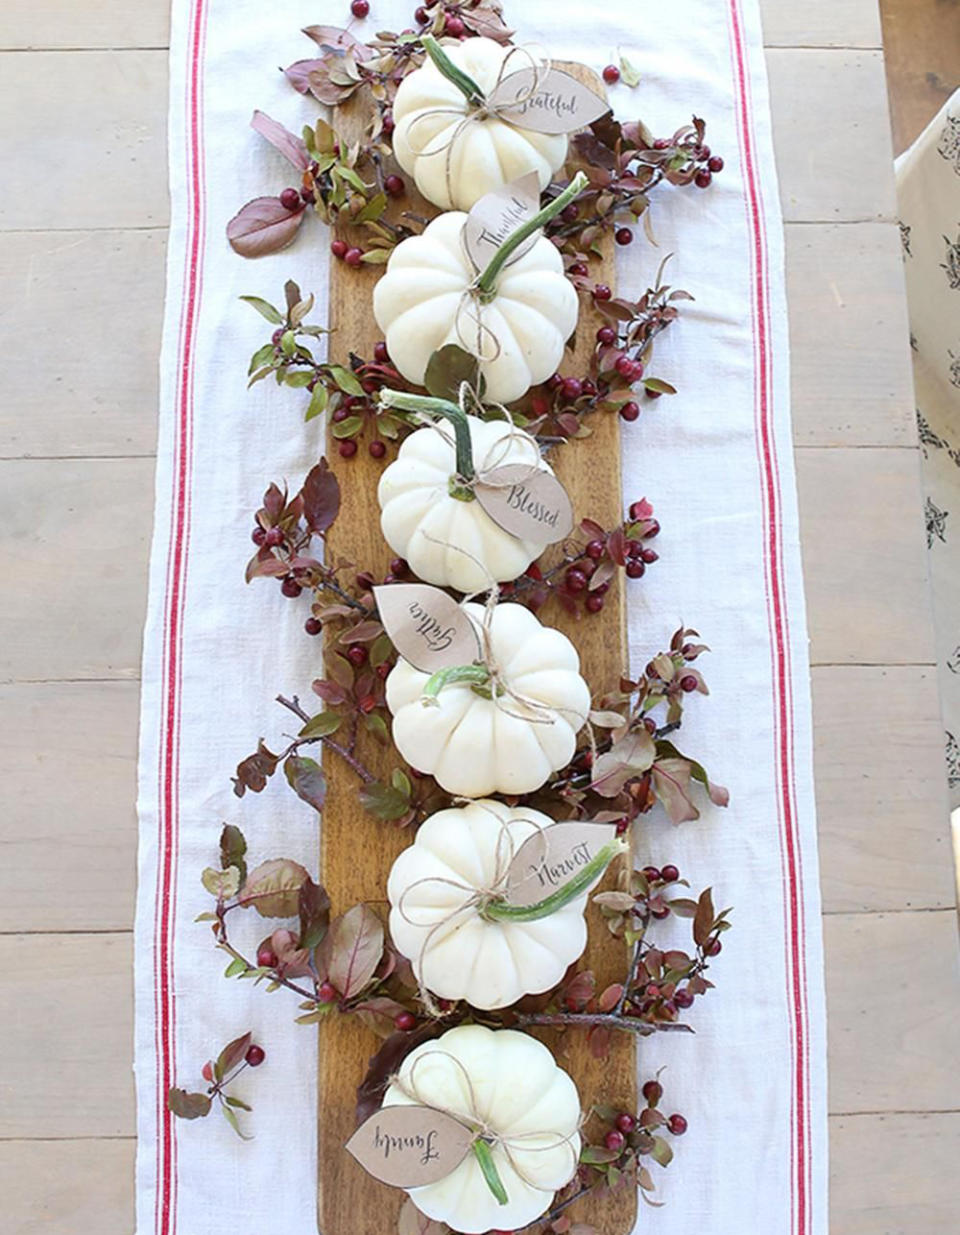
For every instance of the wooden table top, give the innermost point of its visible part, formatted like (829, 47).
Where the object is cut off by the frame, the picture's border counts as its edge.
(77, 426)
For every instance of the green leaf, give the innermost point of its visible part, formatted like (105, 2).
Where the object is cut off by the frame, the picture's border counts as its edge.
(447, 369)
(306, 779)
(318, 403)
(375, 724)
(233, 848)
(346, 380)
(376, 257)
(237, 1102)
(221, 883)
(235, 968)
(298, 379)
(265, 309)
(629, 74)
(384, 801)
(373, 209)
(188, 1105)
(347, 428)
(655, 383)
(261, 357)
(321, 725)
(288, 343)
(661, 1151)
(401, 782)
(232, 1120)
(351, 177)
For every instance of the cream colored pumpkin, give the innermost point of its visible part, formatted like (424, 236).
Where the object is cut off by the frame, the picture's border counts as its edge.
(448, 541)
(423, 296)
(489, 963)
(455, 164)
(510, 1084)
(474, 745)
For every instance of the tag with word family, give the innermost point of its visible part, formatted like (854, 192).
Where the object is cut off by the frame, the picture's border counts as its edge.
(549, 859)
(548, 101)
(529, 503)
(409, 1146)
(426, 626)
(496, 215)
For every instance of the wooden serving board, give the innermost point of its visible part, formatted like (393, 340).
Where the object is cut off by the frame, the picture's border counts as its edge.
(358, 850)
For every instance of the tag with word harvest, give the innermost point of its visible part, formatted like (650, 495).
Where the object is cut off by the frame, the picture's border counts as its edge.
(496, 215)
(409, 1146)
(546, 102)
(551, 858)
(530, 504)
(426, 626)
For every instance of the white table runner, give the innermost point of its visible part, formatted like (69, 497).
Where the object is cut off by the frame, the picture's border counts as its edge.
(716, 460)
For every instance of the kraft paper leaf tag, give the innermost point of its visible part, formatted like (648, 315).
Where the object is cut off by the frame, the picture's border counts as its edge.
(426, 626)
(409, 1146)
(530, 505)
(551, 858)
(560, 103)
(496, 215)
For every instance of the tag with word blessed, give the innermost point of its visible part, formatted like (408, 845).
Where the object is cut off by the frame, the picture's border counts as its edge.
(409, 1146)
(548, 101)
(496, 215)
(551, 858)
(528, 502)
(426, 626)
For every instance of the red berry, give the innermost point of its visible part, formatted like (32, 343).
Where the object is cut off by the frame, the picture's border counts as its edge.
(579, 268)
(405, 1021)
(611, 74)
(255, 1055)
(683, 998)
(626, 367)
(661, 144)
(353, 256)
(454, 27)
(398, 567)
(606, 334)
(341, 413)
(369, 385)
(634, 548)
(572, 388)
(357, 655)
(258, 535)
(554, 382)
(273, 538)
(637, 509)
(360, 8)
(290, 199)
(290, 587)
(650, 724)
(660, 912)
(652, 873)
(626, 1123)
(207, 1071)
(653, 394)
(347, 448)
(635, 569)
(614, 1140)
(576, 580)
(688, 683)
(703, 179)
(702, 152)
(394, 186)
(570, 212)
(602, 292)
(653, 1092)
(649, 555)
(377, 450)
(594, 603)
(326, 992)
(366, 704)
(716, 163)
(383, 671)
(266, 957)
(380, 353)
(364, 580)
(677, 1125)
(652, 530)
(389, 124)
(589, 386)
(595, 549)
(713, 947)
(421, 16)
(339, 248)
(313, 626)
(669, 874)
(623, 235)
(629, 411)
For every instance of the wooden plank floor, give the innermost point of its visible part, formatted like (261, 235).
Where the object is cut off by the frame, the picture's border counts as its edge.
(81, 432)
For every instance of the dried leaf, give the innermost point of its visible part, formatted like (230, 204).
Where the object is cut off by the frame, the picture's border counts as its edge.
(351, 950)
(671, 781)
(631, 756)
(223, 884)
(273, 888)
(263, 226)
(290, 146)
(254, 771)
(188, 1105)
(629, 74)
(447, 369)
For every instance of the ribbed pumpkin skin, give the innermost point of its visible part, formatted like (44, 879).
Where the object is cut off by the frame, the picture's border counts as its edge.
(483, 155)
(449, 542)
(518, 1089)
(489, 964)
(416, 303)
(476, 746)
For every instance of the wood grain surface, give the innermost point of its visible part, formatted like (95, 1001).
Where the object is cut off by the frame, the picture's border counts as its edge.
(357, 850)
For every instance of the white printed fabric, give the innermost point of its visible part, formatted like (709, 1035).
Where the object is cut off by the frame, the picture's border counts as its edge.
(928, 192)
(716, 461)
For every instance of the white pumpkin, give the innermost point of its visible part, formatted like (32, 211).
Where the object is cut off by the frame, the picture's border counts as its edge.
(517, 1092)
(455, 164)
(475, 745)
(423, 295)
(490, 963)
(447, 540)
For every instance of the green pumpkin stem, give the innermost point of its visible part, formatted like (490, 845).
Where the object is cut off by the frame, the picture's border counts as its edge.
(484, 1155)
(403, 401)
(463, 81)
(502, 911)
(476, 675)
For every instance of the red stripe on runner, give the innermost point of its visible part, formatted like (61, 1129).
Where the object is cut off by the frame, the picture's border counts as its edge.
(780, 646)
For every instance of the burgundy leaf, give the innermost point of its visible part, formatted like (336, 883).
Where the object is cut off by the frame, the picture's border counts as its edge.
(290, 146)
(321, 497)
(386, 1062)
(231, 1055)
(273, 888)
(351, 950)
(671, 779)
(306, 779)
(263, 226)
(314, 906)
(703, 919)
(299, 74)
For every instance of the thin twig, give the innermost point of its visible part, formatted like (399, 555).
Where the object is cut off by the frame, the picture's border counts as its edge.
(351, 760)
(606, 1020)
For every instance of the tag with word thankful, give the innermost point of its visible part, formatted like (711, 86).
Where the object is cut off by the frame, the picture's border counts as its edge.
(496, 215)
(409, 1146)
(530, 504)
(426, 626)
(546, 102)
(551, 858)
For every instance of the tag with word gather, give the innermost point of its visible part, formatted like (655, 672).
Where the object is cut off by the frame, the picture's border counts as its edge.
(531, 505)
(495, 215)
(409, 1146)
(549, 859)
(558, 102)
(426, 626)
